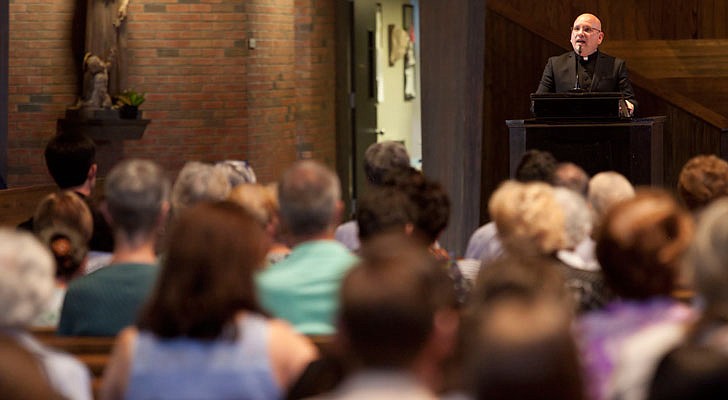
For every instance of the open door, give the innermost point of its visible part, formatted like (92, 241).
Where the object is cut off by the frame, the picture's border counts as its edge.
(365, 43)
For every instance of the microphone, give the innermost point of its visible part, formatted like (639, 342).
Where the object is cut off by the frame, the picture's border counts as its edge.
(577, 87)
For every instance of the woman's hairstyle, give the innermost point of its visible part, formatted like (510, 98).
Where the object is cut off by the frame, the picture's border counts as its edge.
(212, 253)
(641, 243)
(702, 179)
(260, 201)
(529, 219)
(64, 208)
(68, 247)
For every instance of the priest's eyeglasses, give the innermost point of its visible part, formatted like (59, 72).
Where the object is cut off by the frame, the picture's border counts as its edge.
(586, 29)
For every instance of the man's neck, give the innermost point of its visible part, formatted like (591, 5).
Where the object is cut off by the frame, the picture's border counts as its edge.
(84, 189)
(133, 251)
(327, 235)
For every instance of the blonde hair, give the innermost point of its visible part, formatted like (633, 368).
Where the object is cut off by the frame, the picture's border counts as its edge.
(528, 218)
(260, 201)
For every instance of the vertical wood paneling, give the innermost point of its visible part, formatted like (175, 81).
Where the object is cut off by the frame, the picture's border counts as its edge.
(636, 20)
(452, 49)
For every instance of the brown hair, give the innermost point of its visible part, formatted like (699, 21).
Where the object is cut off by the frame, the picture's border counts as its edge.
(389, 301)
(703, 179)
(641, 243)
(64, 208)
(207, 277)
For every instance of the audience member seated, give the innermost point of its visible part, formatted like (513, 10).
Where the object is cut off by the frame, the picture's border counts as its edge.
(520, 347)
(26, 286)
(640, 247)
(397, 322)
(105, 301)
(237, 171)
(21, 375)
(703, 179)
(198, 182)
(380, 159)
(605, 190)
(202, 335)
(698, 369)
(63, 223)
(534, 166)
(571, 176)
(531, 223)
(579, 250)
(262, 202)
(302, 289)
(418, 207)
(71, 162)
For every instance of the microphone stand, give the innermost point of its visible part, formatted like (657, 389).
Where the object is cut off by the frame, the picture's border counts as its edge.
(577, 87)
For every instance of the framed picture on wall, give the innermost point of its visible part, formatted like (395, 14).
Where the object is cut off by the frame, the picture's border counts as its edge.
(410, 60)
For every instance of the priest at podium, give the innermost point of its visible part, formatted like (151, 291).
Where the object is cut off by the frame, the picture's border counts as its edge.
(586, 69)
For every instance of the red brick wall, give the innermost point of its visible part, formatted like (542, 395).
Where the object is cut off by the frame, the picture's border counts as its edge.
(209, 97)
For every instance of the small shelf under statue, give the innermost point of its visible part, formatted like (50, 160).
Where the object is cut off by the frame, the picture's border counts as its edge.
(102, 125)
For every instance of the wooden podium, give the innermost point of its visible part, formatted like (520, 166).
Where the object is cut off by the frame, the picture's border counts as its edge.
(631, 147)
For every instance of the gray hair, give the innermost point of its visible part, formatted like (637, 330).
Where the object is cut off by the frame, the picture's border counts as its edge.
(238, 172)
(607, 189)
(308, 195)
(577, 216)
(27, 281)
(383, 157)
(136, 191)
(198, 182)
(708, 256)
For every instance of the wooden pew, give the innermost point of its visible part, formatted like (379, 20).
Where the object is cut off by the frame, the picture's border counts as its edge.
(18, 204)
(94, 352)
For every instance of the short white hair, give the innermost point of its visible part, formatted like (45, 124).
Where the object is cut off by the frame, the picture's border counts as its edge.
(199, 182)
(27, 278)
(577, 216)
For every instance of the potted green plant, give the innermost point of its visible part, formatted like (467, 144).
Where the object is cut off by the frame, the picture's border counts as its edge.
(128, 103)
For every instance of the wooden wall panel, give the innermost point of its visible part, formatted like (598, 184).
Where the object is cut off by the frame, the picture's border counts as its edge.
(636, 20)
(512, 75)
(452, 45)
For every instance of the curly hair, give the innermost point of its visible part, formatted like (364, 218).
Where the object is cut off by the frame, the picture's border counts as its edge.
(703, 179)
(528, 218)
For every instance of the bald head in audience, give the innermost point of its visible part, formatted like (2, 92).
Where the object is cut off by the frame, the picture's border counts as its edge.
(703, 179)
(571, 176)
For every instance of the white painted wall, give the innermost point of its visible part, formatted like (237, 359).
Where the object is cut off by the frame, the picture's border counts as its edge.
(399, 119)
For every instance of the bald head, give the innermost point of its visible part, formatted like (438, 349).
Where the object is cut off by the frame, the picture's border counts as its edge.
(586, 34)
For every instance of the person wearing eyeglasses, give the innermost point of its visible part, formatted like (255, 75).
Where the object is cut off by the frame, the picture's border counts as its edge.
(586, 68)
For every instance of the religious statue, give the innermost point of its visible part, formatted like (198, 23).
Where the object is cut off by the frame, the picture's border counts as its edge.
(104, 64)
(96, 82)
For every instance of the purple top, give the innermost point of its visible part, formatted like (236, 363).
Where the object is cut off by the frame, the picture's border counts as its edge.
(621, 344)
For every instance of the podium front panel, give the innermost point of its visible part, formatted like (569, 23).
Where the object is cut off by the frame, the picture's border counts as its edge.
(632, 148)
